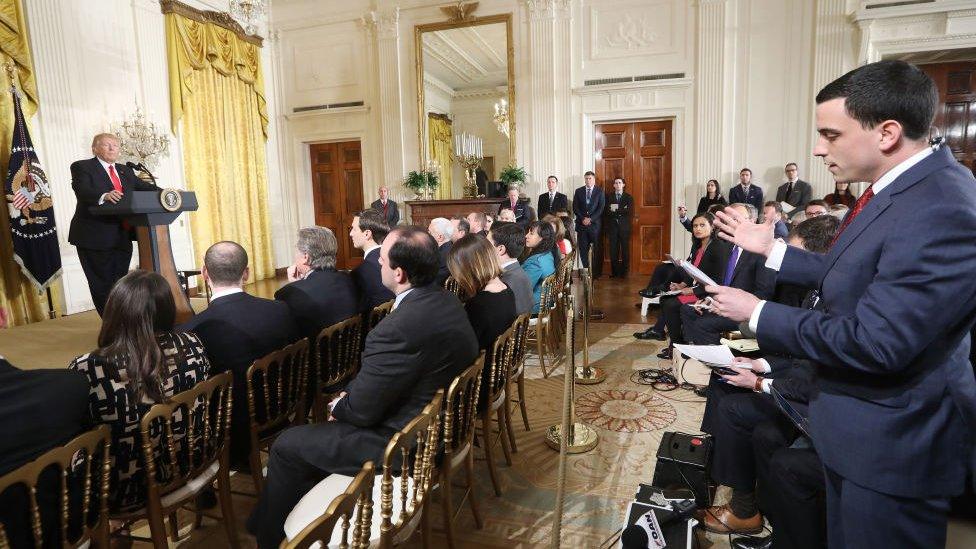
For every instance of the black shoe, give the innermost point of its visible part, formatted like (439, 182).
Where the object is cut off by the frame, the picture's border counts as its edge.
(649, 293)
(751, 542)
(665, 354)
(652, 334)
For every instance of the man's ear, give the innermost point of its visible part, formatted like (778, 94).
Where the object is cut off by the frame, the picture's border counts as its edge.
(206, 275)
(247, 275)
(891, 132)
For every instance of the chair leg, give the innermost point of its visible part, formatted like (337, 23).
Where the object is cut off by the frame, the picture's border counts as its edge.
(447, 507)
(255, 460)
(542, 357)
(157, 530)
(503, 436)
(227, 506)
(103, 533)
(425, 530)
(174, 527)
(486, 435)
(521, 396)
(472, 500)
(509, 432)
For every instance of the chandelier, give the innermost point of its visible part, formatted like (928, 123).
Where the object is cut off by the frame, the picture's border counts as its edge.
(248, 13)
(140, 140)
(501, 116)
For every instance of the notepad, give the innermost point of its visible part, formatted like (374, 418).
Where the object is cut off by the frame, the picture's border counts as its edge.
(710, 355)
(787, 207)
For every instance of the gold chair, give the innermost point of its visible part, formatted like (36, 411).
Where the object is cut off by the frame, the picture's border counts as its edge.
(179, 467)
(541, 331)
(353, 507)
(83, 464)
(516, 372)
(276, 385)
(452, 286)
(379, 313)
(460, 416)
(335, 360)
(494, 402)
(410, 453)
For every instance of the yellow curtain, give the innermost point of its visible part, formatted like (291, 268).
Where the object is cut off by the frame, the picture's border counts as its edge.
(23, 303)
(441, 139)
(217, 90)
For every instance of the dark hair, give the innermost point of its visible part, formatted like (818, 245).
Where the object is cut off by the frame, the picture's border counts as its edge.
(552, 177)
(818, 202)
(622, 180)
(225, 262)
(589, 173)
(716, 207)
(847, 191)
(817, 233)
(139, 306)
(510, 235)
(774, 205)
(463, 224)
(372, 220)
(414, 251)
(708, 217)
(788, 164)
(473, 263)
(548, 235)
(887, 90)
(718, 189)
(745, 170)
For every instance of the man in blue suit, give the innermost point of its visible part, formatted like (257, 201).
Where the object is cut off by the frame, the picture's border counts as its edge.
(588, 202)
(745, 192)
(893, 421)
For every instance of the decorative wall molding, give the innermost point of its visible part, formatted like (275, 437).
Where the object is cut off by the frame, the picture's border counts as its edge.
(638, 27)
(385, 25)
(547, 9)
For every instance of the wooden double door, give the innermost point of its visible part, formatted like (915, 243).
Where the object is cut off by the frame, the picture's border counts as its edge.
(641, 153)
(956, 115)
(337, 190)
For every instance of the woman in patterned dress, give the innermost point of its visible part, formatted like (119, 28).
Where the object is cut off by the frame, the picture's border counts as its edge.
(139, 362)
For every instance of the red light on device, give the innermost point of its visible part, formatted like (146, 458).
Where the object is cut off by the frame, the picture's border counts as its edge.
(696, 442)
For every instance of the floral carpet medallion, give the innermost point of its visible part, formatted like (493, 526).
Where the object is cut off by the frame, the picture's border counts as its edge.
(625, 411)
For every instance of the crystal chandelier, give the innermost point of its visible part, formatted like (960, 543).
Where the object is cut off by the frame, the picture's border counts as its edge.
(140, 140)
(501, 116)
(248, 13)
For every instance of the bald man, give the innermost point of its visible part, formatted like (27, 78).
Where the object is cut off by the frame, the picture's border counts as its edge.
(387, 207)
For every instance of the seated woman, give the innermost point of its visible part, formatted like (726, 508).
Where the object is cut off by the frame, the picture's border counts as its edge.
(139, 362)
(842, 195)
(490, 304)
(538, 262)
(563, 244)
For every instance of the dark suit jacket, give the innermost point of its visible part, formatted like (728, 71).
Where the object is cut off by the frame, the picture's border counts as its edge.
(754, 196)
(392, 214)
(792, 377)
(521, 213)
(559, 202)
(236, 330)
(780, 230)
(750, 274)
(798, 197)
(620, 218)
(322, 299)
(593, 210)
(90, 181)
(442, 271)
(896, 408)
(369, 282)
(713, 263)
(420, 347)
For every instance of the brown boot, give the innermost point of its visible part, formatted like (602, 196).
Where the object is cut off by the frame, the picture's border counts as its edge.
(720, 520)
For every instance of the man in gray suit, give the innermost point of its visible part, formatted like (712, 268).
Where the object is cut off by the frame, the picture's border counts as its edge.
(509, 241)
(795, 191)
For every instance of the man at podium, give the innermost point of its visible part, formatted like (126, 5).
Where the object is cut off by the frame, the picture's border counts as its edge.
(104, 242)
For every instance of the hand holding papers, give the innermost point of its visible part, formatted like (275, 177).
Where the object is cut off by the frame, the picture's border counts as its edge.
(787, 207)
(696, 273)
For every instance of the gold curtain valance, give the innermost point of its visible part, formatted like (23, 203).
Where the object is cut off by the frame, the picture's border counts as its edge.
(13, 44)
(199, 44)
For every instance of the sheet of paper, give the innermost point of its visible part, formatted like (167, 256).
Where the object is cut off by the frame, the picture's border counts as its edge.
(717, 355)
(741, 345)
(787, 208)
(697, 274)
(613, 207)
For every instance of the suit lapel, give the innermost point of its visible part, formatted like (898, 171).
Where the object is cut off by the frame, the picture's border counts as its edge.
(101, 174)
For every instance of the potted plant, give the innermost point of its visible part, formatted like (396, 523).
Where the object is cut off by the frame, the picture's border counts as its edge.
(513, 176)
(422, 182)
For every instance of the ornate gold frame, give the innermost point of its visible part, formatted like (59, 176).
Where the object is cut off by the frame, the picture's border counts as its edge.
(419, 30)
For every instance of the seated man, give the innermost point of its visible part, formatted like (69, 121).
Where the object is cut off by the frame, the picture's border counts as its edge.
(509, 241)
(774, 210)
(236, 329)
(418, 349)
(461, 227)
(41, 409)
(478, 222)
(367, 233)
(317, 294)
(815, 208)
(442, 230)
(506, 215)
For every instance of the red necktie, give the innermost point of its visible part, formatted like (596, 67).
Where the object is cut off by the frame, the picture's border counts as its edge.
(116, 182)
(862, 201)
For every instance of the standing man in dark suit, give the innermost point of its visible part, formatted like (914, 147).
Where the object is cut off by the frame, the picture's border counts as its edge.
(317, 294)
(442, 230)
(104, 242)
(387, 207)
(367, 232)
(588, 202)
(894, 418)
(412, 353)
(514, 203)
(552, 201)
(236, 329)
(619, 209)
(795, 191)
(745, 192)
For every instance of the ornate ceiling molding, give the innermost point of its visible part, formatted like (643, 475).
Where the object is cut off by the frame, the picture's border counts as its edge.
(219, 18)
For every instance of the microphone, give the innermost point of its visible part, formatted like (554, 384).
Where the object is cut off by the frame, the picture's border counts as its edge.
(142, 168)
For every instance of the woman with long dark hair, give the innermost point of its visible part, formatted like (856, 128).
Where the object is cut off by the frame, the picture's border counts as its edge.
(841, 196)
(713, 195)
(139, 362)
(538, 263)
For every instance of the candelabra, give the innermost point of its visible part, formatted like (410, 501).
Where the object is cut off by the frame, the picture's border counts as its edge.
(500, 118)
(247, 13)
(468, 152)
(140, 140)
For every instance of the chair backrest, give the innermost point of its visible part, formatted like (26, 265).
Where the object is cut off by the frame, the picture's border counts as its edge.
(354, 508)
(185, 436)
(565, 271)
(276, 391)
(83, 464)
(501, 357)
(378, 313)
(336, 353)
(520, 336)
(461, 408)
(452, 286)
(547, 299)
(410, 454)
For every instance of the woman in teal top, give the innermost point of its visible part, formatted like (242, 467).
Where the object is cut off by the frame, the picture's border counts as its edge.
(538, 263)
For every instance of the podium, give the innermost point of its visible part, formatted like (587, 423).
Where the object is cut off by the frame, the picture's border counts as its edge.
(151, 212)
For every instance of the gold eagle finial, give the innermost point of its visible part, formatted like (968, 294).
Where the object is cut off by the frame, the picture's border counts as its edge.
(460, 12)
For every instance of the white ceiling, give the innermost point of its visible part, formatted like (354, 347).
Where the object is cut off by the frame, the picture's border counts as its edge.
(467, 58)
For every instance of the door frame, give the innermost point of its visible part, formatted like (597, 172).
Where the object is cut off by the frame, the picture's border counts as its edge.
(678, 117)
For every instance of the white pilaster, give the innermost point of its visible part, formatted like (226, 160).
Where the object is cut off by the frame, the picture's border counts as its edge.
(385, 27)
(712, 90)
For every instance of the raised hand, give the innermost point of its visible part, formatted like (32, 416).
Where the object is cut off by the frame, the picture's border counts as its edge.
(752, 237)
